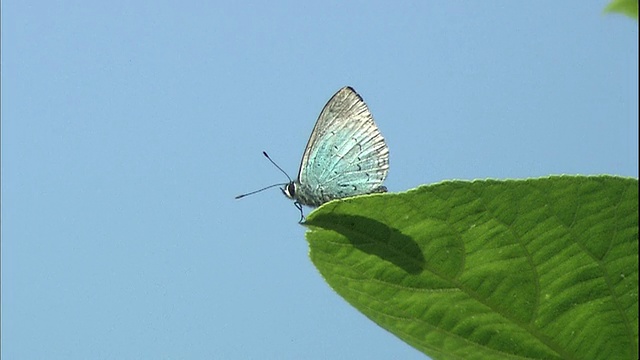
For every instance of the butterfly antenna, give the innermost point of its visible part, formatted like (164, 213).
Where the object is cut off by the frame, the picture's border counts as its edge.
(257, 191)
(276, 165)
(270, 186)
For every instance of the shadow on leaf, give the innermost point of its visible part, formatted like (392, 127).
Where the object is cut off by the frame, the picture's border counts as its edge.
(375, 238)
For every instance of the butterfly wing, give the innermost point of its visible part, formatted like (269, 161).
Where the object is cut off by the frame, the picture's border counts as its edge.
(346, 155)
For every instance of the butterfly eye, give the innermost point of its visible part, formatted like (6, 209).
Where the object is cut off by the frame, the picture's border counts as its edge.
(291, 190)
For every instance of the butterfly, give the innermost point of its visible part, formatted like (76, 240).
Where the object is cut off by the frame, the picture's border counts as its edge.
(345, 156)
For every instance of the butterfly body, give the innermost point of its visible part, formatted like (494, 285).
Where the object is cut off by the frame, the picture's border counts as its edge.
(346, 155)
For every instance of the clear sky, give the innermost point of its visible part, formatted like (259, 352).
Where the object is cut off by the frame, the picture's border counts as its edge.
(128, 128)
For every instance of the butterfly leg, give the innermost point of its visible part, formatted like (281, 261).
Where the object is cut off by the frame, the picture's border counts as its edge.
(299, 206)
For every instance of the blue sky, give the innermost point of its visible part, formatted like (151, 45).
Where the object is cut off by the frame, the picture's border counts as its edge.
(129, 127)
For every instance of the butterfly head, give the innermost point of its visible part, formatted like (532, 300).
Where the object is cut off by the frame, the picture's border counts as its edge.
(289, 190)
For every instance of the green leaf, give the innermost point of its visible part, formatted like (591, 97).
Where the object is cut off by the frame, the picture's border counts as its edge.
(626, 7)
(538, 269)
